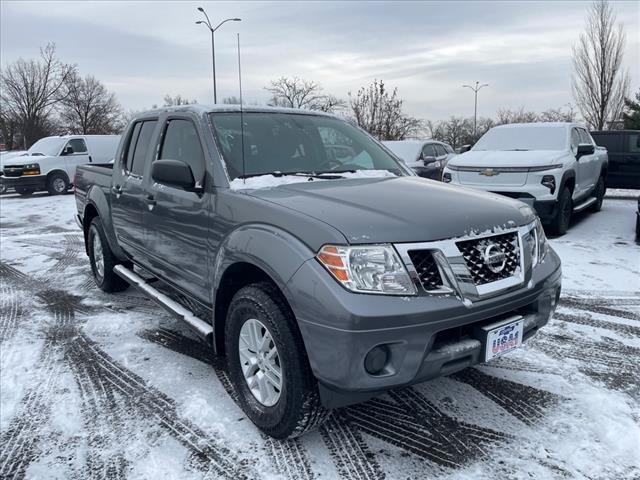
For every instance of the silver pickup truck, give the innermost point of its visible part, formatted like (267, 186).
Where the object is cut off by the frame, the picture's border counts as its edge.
(322, 278)
(555, 168)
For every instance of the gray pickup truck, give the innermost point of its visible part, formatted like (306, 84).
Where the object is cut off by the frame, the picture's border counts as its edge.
(325, 279)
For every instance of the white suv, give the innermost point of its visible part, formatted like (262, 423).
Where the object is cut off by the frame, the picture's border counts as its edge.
(554, 167)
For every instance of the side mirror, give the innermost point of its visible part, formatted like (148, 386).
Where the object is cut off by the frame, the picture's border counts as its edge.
(465, 148)
(429, 159)
(174, 173)
(68, 150)
(585, 149)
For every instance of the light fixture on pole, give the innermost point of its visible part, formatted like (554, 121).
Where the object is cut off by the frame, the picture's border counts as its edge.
(207, 23)
(475, 89)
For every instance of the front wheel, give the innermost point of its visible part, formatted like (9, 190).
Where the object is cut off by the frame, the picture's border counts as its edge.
(103, 260)
(57, 184)
(267, 363)
(599, 193)
(560, 223)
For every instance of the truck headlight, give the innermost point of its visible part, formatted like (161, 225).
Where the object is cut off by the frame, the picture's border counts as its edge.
(541, 246)
(367, 269)
(31, 169)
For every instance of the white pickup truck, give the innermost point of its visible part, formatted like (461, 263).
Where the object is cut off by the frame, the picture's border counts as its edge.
(50, 164)
(554, 167)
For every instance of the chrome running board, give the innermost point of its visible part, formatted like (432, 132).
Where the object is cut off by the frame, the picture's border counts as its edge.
(199, 326)
(586, 204)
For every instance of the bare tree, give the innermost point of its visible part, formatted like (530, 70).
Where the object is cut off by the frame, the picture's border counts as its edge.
(599, 82)
(89, 108)
(507, 115)
(29, 91)
(294, 92)
(177, 100)
(379, 112)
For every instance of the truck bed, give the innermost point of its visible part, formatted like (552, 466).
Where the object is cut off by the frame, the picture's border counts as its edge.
(95, 175)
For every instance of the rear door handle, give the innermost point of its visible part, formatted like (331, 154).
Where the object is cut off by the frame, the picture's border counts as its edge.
(117, 189)
(151, 200)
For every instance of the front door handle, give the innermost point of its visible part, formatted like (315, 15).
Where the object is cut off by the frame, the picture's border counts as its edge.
(117, 189)
(151, 200)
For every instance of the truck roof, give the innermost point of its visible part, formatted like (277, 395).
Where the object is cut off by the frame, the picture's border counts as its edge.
(541, 124)
(203, 109)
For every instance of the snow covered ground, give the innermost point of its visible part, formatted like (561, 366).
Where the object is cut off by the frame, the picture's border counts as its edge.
(110, 386)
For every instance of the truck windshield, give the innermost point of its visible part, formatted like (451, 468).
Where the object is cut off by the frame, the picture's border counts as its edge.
(523, 138)
(49, 146)
(291, 143)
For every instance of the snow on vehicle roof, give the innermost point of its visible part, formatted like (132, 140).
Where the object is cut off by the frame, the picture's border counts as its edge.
(407, 150)
(539, 124)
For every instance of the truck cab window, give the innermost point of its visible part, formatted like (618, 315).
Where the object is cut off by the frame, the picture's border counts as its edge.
(428, 151)
(575, 139)
(584, 136)
(78, 145)
(131, 147)
(142, 146)
(181, 142)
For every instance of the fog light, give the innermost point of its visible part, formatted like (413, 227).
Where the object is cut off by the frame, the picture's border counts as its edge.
(549, 181)
(446, 177)
(376, 359)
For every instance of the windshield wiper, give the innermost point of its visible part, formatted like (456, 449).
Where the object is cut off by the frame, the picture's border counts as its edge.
(277, 173)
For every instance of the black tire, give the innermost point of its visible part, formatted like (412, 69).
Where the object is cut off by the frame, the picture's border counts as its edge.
(57, 184)
(107, 280)
(562, 220)
(298, 408)
(24, 191)
(599, 193)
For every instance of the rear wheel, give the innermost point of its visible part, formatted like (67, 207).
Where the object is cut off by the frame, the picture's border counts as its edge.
(57, 184)
(268, 365)
(103, 260)
(560, 223)
(24, 191)
(599, 193)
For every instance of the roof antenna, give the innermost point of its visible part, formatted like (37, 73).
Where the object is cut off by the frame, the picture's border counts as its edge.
(244, 179)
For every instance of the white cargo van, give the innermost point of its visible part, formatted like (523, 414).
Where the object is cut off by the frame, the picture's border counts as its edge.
(50, 164)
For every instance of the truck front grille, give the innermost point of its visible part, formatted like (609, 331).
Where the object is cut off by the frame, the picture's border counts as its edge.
(473, 252)
(427, 269)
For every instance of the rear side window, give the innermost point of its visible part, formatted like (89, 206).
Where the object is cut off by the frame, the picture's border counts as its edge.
(142, 147)
(181, 142)
(139, 145)
(634, 142)
(78, 145)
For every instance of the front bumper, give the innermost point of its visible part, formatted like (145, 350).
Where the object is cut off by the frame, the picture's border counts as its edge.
(36, 182)
(426, 336)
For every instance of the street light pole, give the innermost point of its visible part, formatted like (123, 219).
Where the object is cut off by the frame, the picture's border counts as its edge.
(475, 89)
(207, 23)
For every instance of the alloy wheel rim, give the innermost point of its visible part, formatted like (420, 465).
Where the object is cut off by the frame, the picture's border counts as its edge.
(58, 185)
(260, 362)
(98, 257)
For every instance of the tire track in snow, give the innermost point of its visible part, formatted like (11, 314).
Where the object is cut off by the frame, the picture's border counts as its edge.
(208, 453)
(11, 310)
(350, 453)
(290, 458)
(414, 424)
(591, 306)
(526, 403)
(587, 320)
(73, 245)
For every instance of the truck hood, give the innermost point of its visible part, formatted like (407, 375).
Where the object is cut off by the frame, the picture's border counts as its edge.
(398, 209)
(498, 158)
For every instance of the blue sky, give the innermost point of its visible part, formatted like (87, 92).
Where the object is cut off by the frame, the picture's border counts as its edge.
(144, 50)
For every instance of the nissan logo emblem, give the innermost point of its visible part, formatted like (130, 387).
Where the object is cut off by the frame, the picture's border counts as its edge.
(494, 258)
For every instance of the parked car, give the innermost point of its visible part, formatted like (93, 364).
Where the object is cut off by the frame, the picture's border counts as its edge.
(50, 164)
(623, 147)
(426, 157)
(325, 283)
(554, 167)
